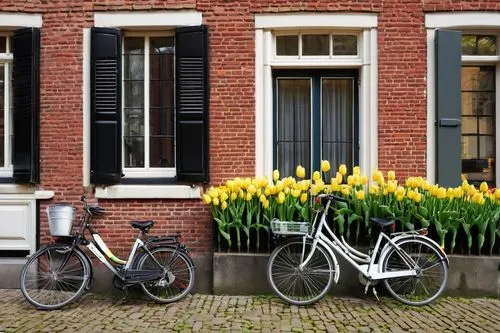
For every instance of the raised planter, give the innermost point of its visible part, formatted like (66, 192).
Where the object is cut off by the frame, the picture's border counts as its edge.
(245, 274)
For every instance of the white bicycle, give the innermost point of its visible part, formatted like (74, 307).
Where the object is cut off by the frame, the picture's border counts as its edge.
(413, 268)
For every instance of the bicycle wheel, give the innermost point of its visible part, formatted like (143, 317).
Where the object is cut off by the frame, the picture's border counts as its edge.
(54, 276)
(295, 286)
(179, 274)
(432, 273)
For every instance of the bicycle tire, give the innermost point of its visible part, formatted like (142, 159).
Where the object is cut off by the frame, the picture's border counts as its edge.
(54, 276)
(179, 277)
(293, 286)
(432, 267)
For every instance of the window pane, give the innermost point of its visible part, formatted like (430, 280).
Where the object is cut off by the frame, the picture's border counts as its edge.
(345, 45)
(293, 125)
(468, 45)
(487, 78)
(486, 147)
(469, 103)
(2, 120)
(486, 125)
(337, 121)
(133, 135)
(161, 152)
(3, 45)
(486, 103)
(134, 93)
(315, 45)
(469, 147)
(161, 61)
(486, 45)
(479, 45)
(469, 125)
(133, 59)
(287, 45)
(470, 78)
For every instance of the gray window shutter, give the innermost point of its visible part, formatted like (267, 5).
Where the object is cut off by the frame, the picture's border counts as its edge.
(192, 91)
(448, 107)
(105, 142)
(26, 113)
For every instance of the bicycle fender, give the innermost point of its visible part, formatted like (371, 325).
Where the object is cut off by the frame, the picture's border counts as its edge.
(335, 262)
(400, 238)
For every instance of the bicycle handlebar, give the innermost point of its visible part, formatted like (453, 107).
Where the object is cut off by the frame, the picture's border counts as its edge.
(332, 197)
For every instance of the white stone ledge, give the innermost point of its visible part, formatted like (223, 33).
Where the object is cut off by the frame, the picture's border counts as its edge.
(149, 192)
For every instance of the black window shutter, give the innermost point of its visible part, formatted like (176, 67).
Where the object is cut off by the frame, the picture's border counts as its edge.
(448, 107)
(192, 94)
(105, 143)
(26, 114)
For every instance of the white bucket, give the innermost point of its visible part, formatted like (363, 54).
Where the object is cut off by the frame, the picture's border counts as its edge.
(60, 219)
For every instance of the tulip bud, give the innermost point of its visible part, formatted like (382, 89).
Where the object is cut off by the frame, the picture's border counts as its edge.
(325, 166)
(342, 169)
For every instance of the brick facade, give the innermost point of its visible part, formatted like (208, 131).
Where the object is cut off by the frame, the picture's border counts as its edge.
(401, 99)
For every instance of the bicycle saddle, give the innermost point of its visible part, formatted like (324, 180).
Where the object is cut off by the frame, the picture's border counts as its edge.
(381, 222)
(142, 225)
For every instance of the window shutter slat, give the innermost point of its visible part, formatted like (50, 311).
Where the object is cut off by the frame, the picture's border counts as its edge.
(26, 108)
(192, 93)
(106, 168)
(448, 107)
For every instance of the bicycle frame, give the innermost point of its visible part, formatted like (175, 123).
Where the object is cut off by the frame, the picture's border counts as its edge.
(99, 248)
(363, 263)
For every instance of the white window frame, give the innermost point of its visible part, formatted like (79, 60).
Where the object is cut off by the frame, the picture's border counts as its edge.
(146, 171)
(6, 170)
(468, 23)
(366, 61)
(136, 20)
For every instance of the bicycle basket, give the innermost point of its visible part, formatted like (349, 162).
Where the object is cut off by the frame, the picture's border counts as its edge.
(60, 219)
(289, 228)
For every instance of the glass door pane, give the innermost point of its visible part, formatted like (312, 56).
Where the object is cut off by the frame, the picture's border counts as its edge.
(478, 124)
(293, 132)
(337, 121)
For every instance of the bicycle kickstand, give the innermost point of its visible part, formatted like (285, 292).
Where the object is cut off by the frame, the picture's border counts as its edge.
(368, 283)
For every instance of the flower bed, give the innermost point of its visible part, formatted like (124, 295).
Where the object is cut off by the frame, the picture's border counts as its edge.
(461, 219)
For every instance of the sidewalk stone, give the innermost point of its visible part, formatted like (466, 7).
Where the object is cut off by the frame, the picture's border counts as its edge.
(209, 313)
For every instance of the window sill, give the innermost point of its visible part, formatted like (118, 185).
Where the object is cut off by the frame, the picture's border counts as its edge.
(149, 192)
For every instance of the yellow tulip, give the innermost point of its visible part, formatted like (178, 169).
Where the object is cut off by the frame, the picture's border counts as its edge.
(267, 192)
(279, 186)
(212, 192)
(325, 166)
(363, 180)
(471, 190)
(497, 193)
(286, 190)
(457, 192)
(400, 197)
(281, 198)
(391, 186)
(484, 187)
(301, 171)
(276, 175)
(295, 193)
(339, 177)
(400, 190)
(342, 169)
(207, 199)
(360, 195)
(224, 196)
(450, 193)
(241, 194)
(248, 197)
(411, 194)
(316, 175)
(262, 198)
(246, 183)
(477, 198)
(425, 185)
(441, 193)
(373, 189)
(251, 189)
(215, 201)
(223, 206)
(417, 198)
(303, 197)
(419, 181)
(391, 175)
(265, 204)
(350, 180)
(345, 190)
(465, 185)
(234, 196)
(334, 185)
(356, 171)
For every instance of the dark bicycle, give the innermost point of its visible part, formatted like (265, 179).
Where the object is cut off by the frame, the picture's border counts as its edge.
(58, 274)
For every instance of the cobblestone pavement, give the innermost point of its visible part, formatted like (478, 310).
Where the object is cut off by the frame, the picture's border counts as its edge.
(208, 313)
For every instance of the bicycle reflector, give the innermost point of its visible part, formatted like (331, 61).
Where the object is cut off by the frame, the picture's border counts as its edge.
(317, 200)
(423, 232)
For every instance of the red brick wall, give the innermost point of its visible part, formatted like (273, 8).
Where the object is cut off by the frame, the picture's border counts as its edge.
(402, 98)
